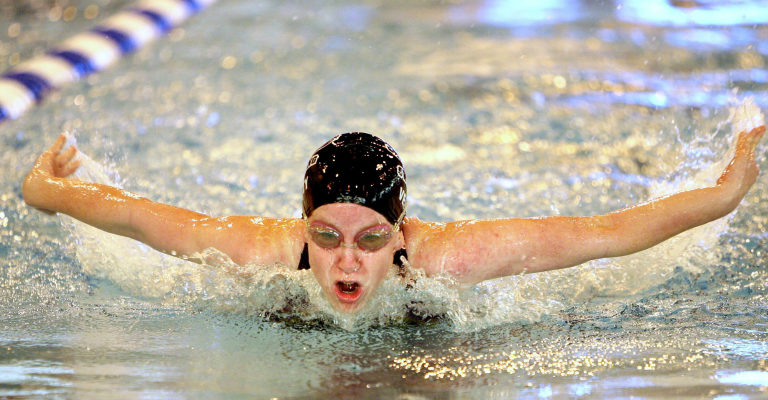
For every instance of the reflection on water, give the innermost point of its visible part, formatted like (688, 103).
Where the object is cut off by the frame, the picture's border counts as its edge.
(692, 13)
(497, 108)
(518, 14)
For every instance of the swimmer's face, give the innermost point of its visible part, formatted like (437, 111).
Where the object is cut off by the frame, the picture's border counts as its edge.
(349, 275)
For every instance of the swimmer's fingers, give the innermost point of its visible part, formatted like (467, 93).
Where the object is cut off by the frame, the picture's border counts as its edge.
(747, 141)
(742, 171)
(759, 131)
(64, 162)
(66, 156)
(47, 160)
(754, 137)
(45, 165)
(68, 169)
(58, 144)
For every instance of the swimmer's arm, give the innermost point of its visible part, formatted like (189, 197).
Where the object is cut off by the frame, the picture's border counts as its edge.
(473, 251)
(169, 229)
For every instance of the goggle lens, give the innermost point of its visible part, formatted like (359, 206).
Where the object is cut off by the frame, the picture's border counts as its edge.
(328, 238)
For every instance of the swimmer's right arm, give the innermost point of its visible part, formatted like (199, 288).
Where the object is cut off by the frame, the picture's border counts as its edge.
(473, 251)
(172, 230)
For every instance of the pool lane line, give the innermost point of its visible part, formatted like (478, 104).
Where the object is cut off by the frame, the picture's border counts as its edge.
(28, 83)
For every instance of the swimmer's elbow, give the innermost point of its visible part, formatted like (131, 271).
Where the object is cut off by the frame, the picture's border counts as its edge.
(149, 223)
(619, 234)
(597, 237)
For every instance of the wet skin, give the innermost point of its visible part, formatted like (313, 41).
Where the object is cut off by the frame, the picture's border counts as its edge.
(349, 275)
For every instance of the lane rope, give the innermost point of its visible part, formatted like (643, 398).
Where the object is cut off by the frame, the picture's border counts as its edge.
(27, 84)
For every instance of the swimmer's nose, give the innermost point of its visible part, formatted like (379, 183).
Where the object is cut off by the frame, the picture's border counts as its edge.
(348, 261)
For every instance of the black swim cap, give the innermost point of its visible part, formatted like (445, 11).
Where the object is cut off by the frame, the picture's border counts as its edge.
(356, 168)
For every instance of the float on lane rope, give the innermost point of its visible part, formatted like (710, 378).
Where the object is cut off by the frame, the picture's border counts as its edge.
(28, 83)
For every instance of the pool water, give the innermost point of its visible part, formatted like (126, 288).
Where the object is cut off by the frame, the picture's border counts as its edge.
(497, 109)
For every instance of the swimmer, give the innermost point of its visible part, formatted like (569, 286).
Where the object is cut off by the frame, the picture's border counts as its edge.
(354, 223)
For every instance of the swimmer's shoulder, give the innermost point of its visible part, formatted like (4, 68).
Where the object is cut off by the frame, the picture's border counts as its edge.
(424, 243)
(265, 240)
(433, 247)
(416, 232)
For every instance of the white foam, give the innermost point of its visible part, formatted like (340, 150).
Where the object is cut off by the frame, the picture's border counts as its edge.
(746, 116)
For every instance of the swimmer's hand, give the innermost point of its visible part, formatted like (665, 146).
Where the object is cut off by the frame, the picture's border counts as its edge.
(741, 173)
(53, 164)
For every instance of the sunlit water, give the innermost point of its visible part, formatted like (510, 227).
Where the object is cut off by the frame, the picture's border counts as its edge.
(497, 110)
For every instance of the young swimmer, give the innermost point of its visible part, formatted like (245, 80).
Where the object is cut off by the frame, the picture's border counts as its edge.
(354, 221)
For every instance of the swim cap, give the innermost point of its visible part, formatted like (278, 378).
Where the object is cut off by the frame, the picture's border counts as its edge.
(356, 168)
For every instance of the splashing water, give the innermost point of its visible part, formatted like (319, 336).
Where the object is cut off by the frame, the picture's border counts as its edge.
(281, 292)
(746, 116)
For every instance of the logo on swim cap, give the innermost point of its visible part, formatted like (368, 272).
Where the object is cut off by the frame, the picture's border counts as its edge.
(356, 168)
(312, 161)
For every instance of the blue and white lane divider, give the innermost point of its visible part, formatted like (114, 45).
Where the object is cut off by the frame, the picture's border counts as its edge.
(29, 82)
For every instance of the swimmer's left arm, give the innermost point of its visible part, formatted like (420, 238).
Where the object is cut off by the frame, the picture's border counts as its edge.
(167, 228)
(474, 251)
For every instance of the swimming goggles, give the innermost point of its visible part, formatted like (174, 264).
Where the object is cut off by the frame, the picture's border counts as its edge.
(371, 239)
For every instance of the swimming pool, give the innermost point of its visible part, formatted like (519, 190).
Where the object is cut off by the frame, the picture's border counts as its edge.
(497, 110)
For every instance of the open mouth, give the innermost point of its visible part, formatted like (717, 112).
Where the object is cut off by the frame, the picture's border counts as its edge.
(348, 291)
(347, 287)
